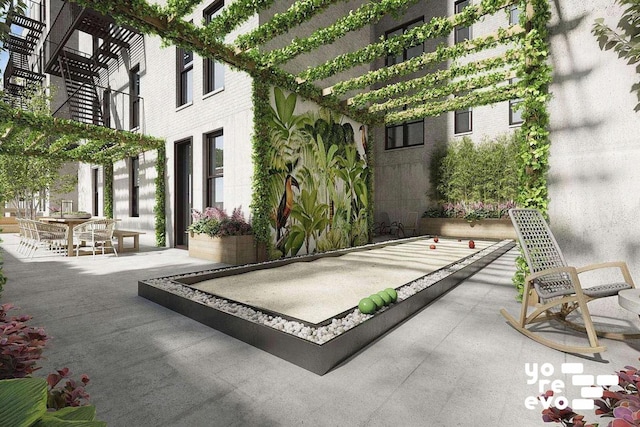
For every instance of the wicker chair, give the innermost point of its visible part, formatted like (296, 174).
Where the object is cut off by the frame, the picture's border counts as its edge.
(95, 232)
(43, 235)
(558, 285)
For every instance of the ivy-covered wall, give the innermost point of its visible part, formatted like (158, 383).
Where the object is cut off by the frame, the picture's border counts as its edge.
(315, 192)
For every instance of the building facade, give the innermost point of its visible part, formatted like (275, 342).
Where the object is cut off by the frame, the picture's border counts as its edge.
(204, 112)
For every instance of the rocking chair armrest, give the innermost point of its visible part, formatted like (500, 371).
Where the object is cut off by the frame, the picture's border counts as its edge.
(568, 269)
(624, 269)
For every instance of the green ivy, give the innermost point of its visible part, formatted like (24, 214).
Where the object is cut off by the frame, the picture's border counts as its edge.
(535, 76)
(108, 190)
(392, 90)
(473, 99)
(442, 53)
(299, 12)
(437, 27)
(260, 208)
(67, 139)
(161, 191)
(367, 14)
(432, 93)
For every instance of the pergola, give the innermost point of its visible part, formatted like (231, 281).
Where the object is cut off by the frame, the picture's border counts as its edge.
(416, 88)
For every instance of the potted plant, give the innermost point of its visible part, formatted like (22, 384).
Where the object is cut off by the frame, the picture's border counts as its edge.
(218, 237)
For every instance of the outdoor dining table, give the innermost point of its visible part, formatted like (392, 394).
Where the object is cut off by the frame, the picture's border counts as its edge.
(70, 222)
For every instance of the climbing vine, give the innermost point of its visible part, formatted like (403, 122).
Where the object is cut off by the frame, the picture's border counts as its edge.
(108, 190)
(260, 208)
(535, 76)
(159, 207)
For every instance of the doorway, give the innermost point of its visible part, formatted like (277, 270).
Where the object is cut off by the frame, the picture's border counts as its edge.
(183, 193)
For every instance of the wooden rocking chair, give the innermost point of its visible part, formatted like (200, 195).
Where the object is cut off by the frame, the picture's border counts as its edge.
(558, 285)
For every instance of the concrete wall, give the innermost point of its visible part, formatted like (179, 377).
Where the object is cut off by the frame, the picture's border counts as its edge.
(595, 140)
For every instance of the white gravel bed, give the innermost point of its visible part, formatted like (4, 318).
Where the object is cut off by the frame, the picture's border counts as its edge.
(318, 335)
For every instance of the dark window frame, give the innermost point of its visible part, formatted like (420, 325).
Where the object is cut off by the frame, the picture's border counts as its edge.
(134, 186)
(212, 81)
(134, 97)
(404, 27)
(210, 139)
(405, 135)
(95, 175)
(184, 72)
(459, 35)
(459, 113)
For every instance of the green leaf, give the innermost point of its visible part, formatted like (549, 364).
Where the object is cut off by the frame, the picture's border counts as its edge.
(84, 413)
(50, 420)
(22, 401)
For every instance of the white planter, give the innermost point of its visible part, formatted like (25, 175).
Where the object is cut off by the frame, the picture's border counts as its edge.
(458, 227)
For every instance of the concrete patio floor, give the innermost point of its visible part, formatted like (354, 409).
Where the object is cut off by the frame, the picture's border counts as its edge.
(456, 363)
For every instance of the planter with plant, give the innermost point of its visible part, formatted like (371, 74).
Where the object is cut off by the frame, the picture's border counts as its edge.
(218, 237)
(474, 186)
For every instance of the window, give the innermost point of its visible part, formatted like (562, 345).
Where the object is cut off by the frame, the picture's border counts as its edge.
(515, 116)
(213, 70)
(96, 198)
(404, 135)
(134, 179)
(214, 148)
(514, 14)
(134, 97)
(185, 76)
(461, 33)
(462, 121)
(106, 107)
(407, 53)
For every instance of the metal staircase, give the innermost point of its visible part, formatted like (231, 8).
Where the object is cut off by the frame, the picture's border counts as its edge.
(80, 70)
(19, 75)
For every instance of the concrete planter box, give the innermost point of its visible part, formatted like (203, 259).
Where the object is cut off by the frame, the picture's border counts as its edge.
(458, 227)
(234, 250)
(9, 224)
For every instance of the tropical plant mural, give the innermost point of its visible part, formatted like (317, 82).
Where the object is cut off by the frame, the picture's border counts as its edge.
(317, 177)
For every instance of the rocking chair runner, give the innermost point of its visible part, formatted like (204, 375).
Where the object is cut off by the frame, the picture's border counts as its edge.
(558, 285)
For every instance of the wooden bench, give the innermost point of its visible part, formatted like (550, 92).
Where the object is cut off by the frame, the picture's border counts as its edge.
(121, 234)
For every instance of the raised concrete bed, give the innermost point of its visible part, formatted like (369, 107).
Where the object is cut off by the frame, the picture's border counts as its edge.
(174, 293)
(459, 227)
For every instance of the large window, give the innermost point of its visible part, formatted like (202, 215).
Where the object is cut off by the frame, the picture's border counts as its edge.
(461, 33)
(213, 70)
(134, 97)
(184, 60)
(214, 186)
(96, 199)
(404, 135)
(407, 53)
(134, 193)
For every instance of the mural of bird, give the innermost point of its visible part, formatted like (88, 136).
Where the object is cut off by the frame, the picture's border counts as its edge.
(363, 138)
(286, 203)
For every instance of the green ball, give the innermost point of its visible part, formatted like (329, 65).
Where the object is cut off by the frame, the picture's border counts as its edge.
(377, 300)
(392, 293)
(385, 296)
(367, 306)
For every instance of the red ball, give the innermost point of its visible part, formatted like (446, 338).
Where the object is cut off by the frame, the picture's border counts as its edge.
(435, 239)
(432, 247)
(472, 244)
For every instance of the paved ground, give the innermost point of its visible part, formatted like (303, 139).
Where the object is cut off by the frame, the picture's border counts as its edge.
(456, 363)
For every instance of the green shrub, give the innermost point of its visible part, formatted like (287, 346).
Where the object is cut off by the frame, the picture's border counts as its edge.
(3, 279)
(467, 173)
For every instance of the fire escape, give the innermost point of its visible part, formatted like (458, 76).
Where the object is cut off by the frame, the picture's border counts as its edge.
(79, 70)
(18, 75)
